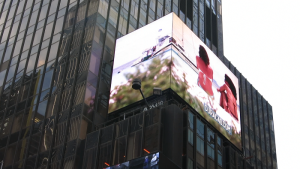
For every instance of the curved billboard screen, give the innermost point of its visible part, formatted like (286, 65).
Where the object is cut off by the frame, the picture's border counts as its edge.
(167, 54)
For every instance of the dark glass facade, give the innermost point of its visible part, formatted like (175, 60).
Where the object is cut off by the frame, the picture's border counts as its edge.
(56, 59)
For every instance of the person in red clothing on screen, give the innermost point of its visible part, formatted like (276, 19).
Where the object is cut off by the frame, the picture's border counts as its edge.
(205, 76)
(228, 97)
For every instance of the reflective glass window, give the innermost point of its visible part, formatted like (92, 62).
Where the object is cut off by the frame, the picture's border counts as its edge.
(37, 37)
(123, 21)
(30, 30)
(53, 7)
(41, 110)
(11, 12)
(45, 43)
(48, 30)
(159, 10)
(200, 128)
(8, 23)
(47, 80)
(50, 18)
(2, 45)
(42, 57)
(34, 49)
(31, 63)
(28, 4)
(2, 75)
(63, 4)
(53, 51)
(190, 164)
(27, 42)
(94, 63)
(6, 126)
(24, 23)
(175, 6)
(22, 65)
(56, 38)
(191, 120)
(24, 55)
(17, 17)
(113, 17)
(200, 145)
(45, 2)
(3, 17)
(11, 72)
(13, 60)
(40, 24)
(220, 160)
(33, 18)
(61, 12)
(5, 34)
(17, 123)
(20, 7)
(36, 6)
(50, 65)
(14, 29)
(9, 155)
(21, 35)
(6, 6)
(190, 136)
(43, 12)
(90, 97)
(210, 152)
(103, 7)
(59, 25)
(27, 12)
(7, 53)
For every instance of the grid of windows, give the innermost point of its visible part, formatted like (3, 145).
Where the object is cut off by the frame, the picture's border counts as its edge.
(204, 142)
(256, 130)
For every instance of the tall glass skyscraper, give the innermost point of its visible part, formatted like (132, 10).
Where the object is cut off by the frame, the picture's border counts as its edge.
(56, 59)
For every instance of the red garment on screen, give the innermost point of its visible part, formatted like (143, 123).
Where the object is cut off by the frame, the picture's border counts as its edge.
(228, 101)
(205, 76)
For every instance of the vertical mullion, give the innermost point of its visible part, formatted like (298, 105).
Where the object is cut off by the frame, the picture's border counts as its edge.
(128, 21)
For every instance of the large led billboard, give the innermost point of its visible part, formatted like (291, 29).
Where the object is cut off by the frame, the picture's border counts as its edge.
(167, 54)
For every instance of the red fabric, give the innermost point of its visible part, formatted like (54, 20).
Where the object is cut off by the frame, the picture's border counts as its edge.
(223, 101)
(228, 101)
(205, 76)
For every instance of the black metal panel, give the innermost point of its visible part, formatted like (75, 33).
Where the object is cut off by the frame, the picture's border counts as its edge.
(172, 133)
(92, 140)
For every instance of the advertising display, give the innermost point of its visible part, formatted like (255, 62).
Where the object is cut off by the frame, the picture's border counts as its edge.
(167, 54)
(147, 162)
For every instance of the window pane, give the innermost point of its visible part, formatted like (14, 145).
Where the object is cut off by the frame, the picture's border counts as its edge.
(59, 25)
(220, 159)
(200, 145)
(190, 164)
(11, 73)
(190, 136)
(33, 18)
(31, 63)
(43, 12)
(200, 128)
(210, 152)
(48, 30)
(191, 120)
(27, 42)
(42, 57)
(47, 80)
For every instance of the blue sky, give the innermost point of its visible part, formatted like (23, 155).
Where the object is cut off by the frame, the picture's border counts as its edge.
(261, 39)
